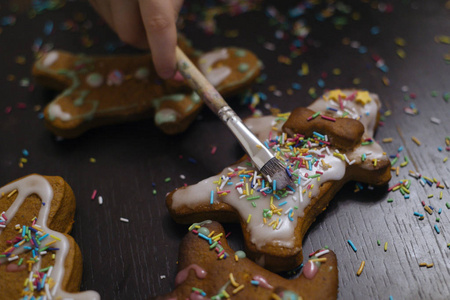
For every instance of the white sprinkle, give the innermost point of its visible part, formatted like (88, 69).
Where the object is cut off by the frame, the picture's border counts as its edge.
(269, 179)
(269, 46)
(288, 210)
(47, 291)
(279, 224)
(230, 169)
(300, 193)
(435, 120)
(352, 162)
(446, 184)
(2, 226)
(370, 187)
(13, 258)
(422, 182)
(242, 168)
(100, 200)
(36, 225)
(346, 159)
(17, 226)
(43, 252)
(321, 253)
(328, 151)
(124, 220)
(49, 272)
(240, 197)
(336, 150)
(277, 93)
(182, 177)
(162, 276)
(264, 189)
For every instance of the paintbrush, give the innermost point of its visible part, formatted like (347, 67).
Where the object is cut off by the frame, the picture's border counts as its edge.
(271, 168)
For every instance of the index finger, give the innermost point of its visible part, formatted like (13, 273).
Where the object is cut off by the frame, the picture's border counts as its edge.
(158, 17)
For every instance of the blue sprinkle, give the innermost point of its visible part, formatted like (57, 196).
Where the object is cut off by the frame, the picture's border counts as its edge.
(375, 30)
(321, 83)
(262, 96)
(25, 152)
(440, 210)
(282, 203)
(437, 228)
(191, 160)
(211, 201)
(400, 149)
(440, 149)
(205, 238)
(254, 282)
(362, 49)
(416, 213)
(296, 86)
(48, 27)
(352, 245)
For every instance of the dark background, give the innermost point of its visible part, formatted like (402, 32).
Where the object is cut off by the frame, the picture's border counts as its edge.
(136, 260)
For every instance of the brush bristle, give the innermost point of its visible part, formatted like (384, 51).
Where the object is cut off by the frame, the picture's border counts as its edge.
(276, 171)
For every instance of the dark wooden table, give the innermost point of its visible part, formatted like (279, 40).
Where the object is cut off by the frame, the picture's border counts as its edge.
(136, 260)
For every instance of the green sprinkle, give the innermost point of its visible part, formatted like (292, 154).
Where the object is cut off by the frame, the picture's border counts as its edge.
(434, 94)
(20, 261)
(390, 200)
(44, 270)
(296, 207)
(253, 204)
(154, 192)
(2, 255)
(45, 248)
(253, 198)
(378, 242)
(438, 219)
(213, 245)
(313, 176)
(448, 205)
(394, 161)
(167, 179)
(446, 96)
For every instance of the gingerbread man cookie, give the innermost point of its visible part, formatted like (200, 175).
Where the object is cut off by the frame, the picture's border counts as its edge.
(210, 269)
(37, 256)
(320, 163)
(101, 90)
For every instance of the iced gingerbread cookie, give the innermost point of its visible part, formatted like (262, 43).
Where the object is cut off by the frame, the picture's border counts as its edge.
(210, 269)
(102, 90)
(322, 146)
(37, 256)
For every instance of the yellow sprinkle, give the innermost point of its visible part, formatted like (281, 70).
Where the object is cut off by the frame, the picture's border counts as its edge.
(422, 264)
(249, 218)
(361, 267)
(225, 294)
(92, 160)
(430, 265)
(211, 234)
(440, 196)
(236, 258)
(270, 224)
(339, 155)
(374, 161)
(321, 259)
(37, 228)
(309, 194)
(415, 140)
(217, 237)
(385, 246)
(50, 243)
(387, 140)
(430, 196)
(53, 256)
(236, 290)
(233, 282)
(264, 221)
(275, 297)
(397, 171)
(12, 193)
(246, 189)
(445, 159)
(403, 164)
(428, 209)
(386, 81)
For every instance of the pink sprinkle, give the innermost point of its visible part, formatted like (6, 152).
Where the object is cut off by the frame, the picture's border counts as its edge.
(93, 194)
(8, 109)
(195, 231)
(392, 187)
(227, 235)
(221, 252)
(21, 105)
(328, 118)
(319, 172)
(352, 97)
(213, 150)
(341, 104)
(423, 203)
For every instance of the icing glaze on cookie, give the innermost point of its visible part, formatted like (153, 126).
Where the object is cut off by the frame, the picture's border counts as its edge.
(183, 274)
(272, 217)
(214, 75)
(35, 184)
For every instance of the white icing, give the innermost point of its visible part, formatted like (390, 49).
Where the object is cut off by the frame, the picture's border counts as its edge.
(35, 184)
(50, 58)
(260, 233)
(55, 111)
(216, 75)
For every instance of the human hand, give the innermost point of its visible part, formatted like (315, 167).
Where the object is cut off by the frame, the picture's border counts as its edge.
(144, 24)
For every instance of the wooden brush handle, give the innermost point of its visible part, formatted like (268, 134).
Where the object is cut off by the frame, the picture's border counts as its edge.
(199, 83)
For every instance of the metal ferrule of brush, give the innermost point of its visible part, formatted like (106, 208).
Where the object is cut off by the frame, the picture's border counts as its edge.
(259, 154)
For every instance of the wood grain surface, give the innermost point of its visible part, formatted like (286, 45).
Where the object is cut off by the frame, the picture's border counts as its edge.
(134, 161)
